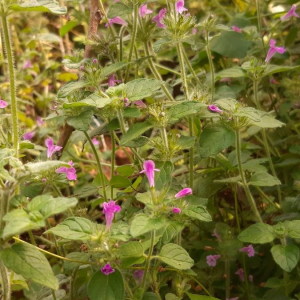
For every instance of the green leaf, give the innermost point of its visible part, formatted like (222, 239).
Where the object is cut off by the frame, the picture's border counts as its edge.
(119, 181)
(201, 297)
(186, 142)
(139, 89)
(69, 266)
(138, 142)
(231, 44)
(197, 212)
(293, 228)
(26, 145)
(132, 112)
(286, 257)
(118, 10)
(233, 72)
(142, 224)
(185, 109)
(272, 69)
(175, 256)
(70, 87)
(149, 296)
(45, 166)
(263, 179)
(163, 178)
(214, 139)
(106, 287)
(171, 231)
(50, 6)
(113, 68)
(145, 198)
(94, 100)
(267, 121)
(125, 170)
(74, 228)
(131, 249)
(259, 233)
(161, 42)
(170, 296)
(135, 131)
(81, 122)
(67, 27)
(26, 260)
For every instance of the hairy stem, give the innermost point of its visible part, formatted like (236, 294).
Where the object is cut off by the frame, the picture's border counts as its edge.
(102, 176)
(5, 282)
(211, 66)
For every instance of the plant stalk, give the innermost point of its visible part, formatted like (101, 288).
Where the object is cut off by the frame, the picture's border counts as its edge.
(211, 66)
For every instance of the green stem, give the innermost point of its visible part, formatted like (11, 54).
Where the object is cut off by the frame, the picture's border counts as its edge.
(5, 282)
(12, 78)
(113, 156)
(191, 161)
(236, 208)
(190, 67)
(153, 194)
(133, 37)
(147, 266)
(32, 240)
(265, 140)
(102, 177)
(167, 69)
(164, 138)
(211, 66)
(259, 23)
(244, 182)
(227, 272)
(155, 71)
(53, 294)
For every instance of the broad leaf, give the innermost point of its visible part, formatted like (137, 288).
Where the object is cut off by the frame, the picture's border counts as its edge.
(272, 69)
(171, 231)
(113, 68)
(26, 260)
(293, 228)
(78, 256)
(286, 257)
(142, 224)
(185, 109)
(131, 249)
(175, 256)
(70, 87)
(233, 72)
(263, 179)
(103, 287)
(135, 131)
(163, 178)
(93, 100)
(81, 122)
(118, 10)
(259, 233)
(197, 212)
(44, 166)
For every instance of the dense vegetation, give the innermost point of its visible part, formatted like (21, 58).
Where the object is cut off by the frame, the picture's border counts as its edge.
(149, 150)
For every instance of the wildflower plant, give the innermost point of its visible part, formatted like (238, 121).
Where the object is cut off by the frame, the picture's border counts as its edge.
(149, 150)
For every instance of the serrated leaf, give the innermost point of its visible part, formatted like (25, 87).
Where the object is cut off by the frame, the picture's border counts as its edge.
(286, 257)
(259, 233)
(81, 122)
(103, 287)
(185, 109)
(197, 212)
(293, 228)
(118, 10)
(44, 166)
(175, 256)
(70, 87)
(172, 229)
(93, 100)
(267, 121)
(26, 260)
(78, 256)
(163, 178)
(50, 6)
(131, 249)
(263, 179)
(113, 68)
(233, 72)
(272, 69)
(142, 224)
(135, 131)
(139, 89)
(119, 181)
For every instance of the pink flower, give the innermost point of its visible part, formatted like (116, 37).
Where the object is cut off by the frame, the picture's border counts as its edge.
(44, 179)
(236, 29)
(250, 278)
(138, 274)
(149, 168)
(240, 272)
(27, 65)
(143, 11)
(3, 104)
(107, 269)
(95, 142)
(51, 147)
(126, 102)
(39, 121)
(290, 13)
(211, 260)
(249, 250)
(140, 104)
(28, 136)
(70, 172)
(180, 6)
(273, 81)
(214, 108)
(216, 234)
(176, 210)
(95, 61)
(184, 192)
(194, 31)
(109, 209)
(116, 20)
(228, 80)
(160, 17)
(272, 51)
(112, 81)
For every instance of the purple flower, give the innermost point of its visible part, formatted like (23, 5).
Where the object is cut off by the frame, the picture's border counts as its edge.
(250, 278)
(184, 192)
(27, 65)
(160, 17)
(290, 13)
(39, 121)
(143, 11)
(95, 60)
(29, 135)
(240, 272)
(116, 20)
(249, 250)
(149, 168)
(107, 269)
(140, 104)
(216, 234)
(273, 81)
(51, 147)
(211, 260)
(70, 172)
(214, 108)
(228, 80)
(236, 29)
(176, 210)
(109, 209)
(112, 81)
(44, 179)
(95, 141)
(272, 51)
(3, 104)
(180, 6)
(138, 274)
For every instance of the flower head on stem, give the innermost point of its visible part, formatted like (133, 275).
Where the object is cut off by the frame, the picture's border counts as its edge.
(116, 20)
(149, 169)
(107, 269)
(109, 209)
(160, 17)
(3, 103)
(144, 11)
(183, 193)
(273, 50)
(70, 172)
(211, 260)
(51, 148)
(180, 7)
(290, 13)
(249, 250)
